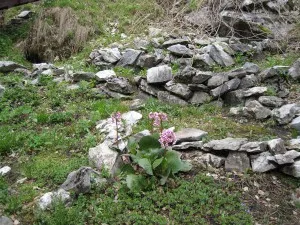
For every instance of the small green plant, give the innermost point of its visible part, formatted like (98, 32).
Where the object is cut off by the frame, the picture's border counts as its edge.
(153, 156)
(271, 91)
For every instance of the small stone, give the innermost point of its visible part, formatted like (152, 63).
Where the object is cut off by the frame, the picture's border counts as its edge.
(227, 144)
(148, 88)
(217, 80)
(248, 81)
(104, 75)
(5, 221)
(120, 85)
(175, 42)
(5, 170)
(227, 87)
(246, 189)
(189, 135)
(276, 146)
(87, 76)
(237, 161)
(160, 74)
(49, 198)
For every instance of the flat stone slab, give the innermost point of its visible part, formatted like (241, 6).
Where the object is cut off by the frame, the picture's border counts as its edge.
(276, 146)
(189, 135)
(188, 145)
(254, 147)
(227, 144)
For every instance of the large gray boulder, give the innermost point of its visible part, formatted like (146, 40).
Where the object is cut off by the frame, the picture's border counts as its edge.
(227, 144)
(102, 156)
(255, 109)
(260, 162)
(148, 88)
(285, 114)
(217, 80)
(293, 170)
(294, 71)
(234, 98)
(237, 161)
(129, 58)
(226, 87)
(147, 61)
(182, 90)
(218, 54)
(180, 50)
(160, 74)
(276, 146)
(166, 97)
(200, 98)
(9, 66)
(189, 135)
(254, 147)
(120, 85)
(271, 101)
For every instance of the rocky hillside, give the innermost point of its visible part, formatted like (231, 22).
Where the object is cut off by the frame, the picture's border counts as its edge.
(81, 102)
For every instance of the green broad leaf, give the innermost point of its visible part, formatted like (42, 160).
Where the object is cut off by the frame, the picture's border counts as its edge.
(149, 142)
(135, 182)
(165, 177)
(175, 163)
(157, 162)
(132, 146)
(146, 165)
(127, 169)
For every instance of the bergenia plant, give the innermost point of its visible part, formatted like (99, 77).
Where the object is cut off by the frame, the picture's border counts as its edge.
(153, 156)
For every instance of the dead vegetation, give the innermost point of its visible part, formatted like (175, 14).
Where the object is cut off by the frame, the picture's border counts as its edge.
(56, 34)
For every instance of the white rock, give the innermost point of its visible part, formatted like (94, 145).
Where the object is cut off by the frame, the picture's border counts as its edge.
(5, 170)
(160, 74)
(104, 75)
(276, 146)
(49, 198)
(260, 163)
(227, 144)
(132, 117)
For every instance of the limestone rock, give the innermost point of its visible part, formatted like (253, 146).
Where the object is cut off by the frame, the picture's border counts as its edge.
(286, 158)
(296, 124)
(294, 71)
(203, 61)
(285, 114)
(104, 75)
(227, 144)
(188, 145)
(200, 98)
(175, 42)
(294, 144)
(260, 162)
(110, 55)
(198, 87)
(5, 221)
(87, 76)
(78, 180)
(251, 68)
(129, 58)
(189, 135)
(9, 66)
(237, 161)
(293, 170)
(147, 61)
(276, 146)
(120, 85)
(4, 170)
(226, 87)
(166, 97)
(234, 98)
(255, 91)
(255, 109)
(218, 54)
(49, 198)
(271, 101)
(160, 74)
(254, 147)
(180, 50)
(102, 156)
(148, 88)
(200, 77)
(217, 80)
(248, 81)
(182, 90)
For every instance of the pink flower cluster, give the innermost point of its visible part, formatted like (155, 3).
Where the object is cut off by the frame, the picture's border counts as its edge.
(158, 118)
(116, 117)
(167, 138)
